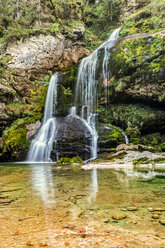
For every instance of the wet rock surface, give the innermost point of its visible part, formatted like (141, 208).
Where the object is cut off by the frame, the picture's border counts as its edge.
(72, 139)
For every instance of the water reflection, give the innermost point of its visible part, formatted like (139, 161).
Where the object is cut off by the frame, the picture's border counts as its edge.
(42, 181)
(94, 185)
(144, 174)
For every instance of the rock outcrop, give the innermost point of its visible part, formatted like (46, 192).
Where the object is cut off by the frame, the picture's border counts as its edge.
(46, 52)
(72, 139)
(54, 38)
(137, 89)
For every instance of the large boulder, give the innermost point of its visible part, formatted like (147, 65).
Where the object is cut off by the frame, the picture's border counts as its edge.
(73, 138)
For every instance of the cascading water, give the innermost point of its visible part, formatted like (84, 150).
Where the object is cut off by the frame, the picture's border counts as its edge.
(124, 135)
(85, 103)
(86, 89)
(41, 145)
(105, 66)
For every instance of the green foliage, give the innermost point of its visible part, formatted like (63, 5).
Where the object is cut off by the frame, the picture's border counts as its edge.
(55, 28)
(116, 135)
(91, 40)
(102, 17)
(149, 19)
(156, 140)
(138, 56)
(136, 115)
(104, 114)
(134, 135)
(14, 138)
(138, 65)
(63, 161)
(17, 33)
(4, 62)
(76, 160)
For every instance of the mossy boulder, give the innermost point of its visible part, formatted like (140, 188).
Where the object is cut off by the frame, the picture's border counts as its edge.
(15, 144)
(63, 161)
(109, 137)
(134, 135)
(156, 140)
(74, 162)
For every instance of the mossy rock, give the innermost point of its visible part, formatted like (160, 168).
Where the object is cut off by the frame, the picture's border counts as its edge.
(117, 155)
(64, 161)
(146, 160)
(15, 141)
(76, 163)
(146, 20)
(156, 140)
(133, 135)
(76, 160)
(139, 118)
(110, 136)
(143, 160)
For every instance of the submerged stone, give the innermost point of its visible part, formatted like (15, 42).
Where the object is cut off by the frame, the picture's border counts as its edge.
(132, 208)
(159, 209)
(119, 216)
(150, 209)
(155, 216)
(162, 221)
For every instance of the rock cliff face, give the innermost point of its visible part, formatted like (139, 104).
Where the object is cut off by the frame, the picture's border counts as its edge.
(54, 37)
(136, 87)
(45, 53)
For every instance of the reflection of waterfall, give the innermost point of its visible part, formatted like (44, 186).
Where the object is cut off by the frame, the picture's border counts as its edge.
(41, 145)
(94, 185)
(86, 89)
(43, 182)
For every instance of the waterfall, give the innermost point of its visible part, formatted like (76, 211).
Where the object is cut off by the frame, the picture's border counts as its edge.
(124, 135)
(42, 144)
(86, 89)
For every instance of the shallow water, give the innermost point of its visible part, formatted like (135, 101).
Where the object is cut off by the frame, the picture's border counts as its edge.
(39, 203)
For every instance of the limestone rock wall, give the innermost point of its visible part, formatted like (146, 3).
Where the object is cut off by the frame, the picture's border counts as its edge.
(45, 53)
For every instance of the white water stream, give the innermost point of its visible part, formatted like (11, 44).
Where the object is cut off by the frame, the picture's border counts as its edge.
(41, 145)
(86, 89)
(86, 97)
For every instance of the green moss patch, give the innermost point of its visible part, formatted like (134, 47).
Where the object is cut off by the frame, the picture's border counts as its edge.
(147, 20)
